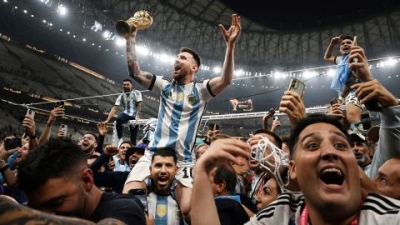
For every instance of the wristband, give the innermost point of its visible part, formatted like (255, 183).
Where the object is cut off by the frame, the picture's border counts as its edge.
(32, 136)
(4, 168)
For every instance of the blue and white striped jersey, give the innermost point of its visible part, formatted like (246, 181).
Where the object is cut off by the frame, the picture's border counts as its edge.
(179, 116)
(129, 101)
(164, 209)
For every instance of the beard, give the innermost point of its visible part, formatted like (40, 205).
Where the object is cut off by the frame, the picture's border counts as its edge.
(127, 90)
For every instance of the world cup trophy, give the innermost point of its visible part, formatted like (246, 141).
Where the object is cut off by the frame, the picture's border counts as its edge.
(140, 20)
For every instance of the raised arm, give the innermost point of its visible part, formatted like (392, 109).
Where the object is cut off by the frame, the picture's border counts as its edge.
(372, 89)
(218, 84)
(202, 196)
(56, 112)
(329, 50)
(142, 77)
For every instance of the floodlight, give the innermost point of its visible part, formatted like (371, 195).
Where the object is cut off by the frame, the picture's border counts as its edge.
(62, 9)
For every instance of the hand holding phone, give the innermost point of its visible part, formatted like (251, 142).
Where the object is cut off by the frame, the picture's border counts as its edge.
(296, 86)
(12, 143)
(141, 194)
(30, 113)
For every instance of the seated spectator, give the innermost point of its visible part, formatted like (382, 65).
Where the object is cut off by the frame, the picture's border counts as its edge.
(56, 179)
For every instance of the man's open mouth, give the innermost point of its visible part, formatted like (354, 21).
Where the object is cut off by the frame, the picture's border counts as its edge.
(332, 176)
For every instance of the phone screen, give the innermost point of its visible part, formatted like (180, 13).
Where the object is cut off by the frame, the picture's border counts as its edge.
(30, 113)
(12, 143)
(141, 194)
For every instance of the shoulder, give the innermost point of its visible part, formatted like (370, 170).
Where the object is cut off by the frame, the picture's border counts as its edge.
(122, 207)
(286, 205)
(381, 204)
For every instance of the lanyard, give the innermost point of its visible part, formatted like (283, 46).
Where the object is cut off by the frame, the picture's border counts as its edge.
(304, 217)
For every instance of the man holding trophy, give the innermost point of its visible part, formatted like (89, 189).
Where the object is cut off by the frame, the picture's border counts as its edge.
(182, 103)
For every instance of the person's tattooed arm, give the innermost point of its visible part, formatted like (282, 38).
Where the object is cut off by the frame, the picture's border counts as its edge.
(142, 77)
(12, 213)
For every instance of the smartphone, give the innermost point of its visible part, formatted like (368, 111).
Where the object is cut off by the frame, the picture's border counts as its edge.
(59, 103)
(30, 113)
(141, 194)
(297, 86)
(334, 101)
(64, 128)
(12, 143)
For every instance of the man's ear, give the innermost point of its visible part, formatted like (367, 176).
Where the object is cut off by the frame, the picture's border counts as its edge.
(220, 188)
(292, 170)
(87, 179)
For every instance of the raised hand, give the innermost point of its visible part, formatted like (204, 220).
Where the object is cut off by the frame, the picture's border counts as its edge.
(292, 105)
(234, 30)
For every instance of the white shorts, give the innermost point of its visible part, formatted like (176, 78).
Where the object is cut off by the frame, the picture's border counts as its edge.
(141, 170)
(185, 175)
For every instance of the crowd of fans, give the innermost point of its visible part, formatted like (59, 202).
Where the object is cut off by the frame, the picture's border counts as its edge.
(328, 170)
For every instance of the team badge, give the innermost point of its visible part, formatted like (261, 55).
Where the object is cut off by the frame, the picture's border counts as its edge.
(191, 99)
(161, 210)
(180, 97)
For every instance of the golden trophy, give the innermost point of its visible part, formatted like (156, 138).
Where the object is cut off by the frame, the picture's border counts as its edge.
(140, 20)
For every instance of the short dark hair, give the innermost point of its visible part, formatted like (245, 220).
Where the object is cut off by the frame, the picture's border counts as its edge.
(165, 152)
(278, 140)
(309, 120)
(225, 173)
(127, 80)
(94, 135)
(54, 159)
(193, 53)
(346, 37)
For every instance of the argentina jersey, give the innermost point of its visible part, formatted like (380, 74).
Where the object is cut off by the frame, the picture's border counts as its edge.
(179, 116)
(164, 209)
(128, 101)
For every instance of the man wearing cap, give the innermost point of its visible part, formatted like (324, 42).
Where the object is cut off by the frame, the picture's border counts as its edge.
(360, 148)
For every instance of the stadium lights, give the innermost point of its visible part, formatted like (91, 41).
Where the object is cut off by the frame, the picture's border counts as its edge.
(61, 9)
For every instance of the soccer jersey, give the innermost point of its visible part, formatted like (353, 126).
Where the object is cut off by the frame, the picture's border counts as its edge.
(376, 209)
(180, 112)
(128, 101)
(164, 209)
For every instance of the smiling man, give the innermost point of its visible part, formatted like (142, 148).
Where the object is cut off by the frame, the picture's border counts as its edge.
(326, 171)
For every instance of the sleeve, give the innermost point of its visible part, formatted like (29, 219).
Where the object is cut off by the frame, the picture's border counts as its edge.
(118, 101)
(127, 211)
(139, 96)
(205, 90)
(158, 83)
(100, 144)
(95, 166)
(389, 139)
(11, 160)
